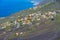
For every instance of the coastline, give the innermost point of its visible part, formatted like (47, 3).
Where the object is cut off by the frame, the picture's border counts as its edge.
(41, 4)
(44, 7)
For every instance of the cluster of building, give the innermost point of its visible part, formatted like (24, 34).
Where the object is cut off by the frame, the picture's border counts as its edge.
(28, 19)
(36, 17)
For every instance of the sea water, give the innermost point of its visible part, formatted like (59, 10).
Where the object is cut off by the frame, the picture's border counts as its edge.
(8, 7)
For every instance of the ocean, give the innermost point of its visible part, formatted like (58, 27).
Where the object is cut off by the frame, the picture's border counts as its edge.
(8, 7)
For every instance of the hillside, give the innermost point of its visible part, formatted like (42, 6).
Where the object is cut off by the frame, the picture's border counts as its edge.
(47, 28)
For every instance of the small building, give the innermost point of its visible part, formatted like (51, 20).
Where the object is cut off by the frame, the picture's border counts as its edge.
(26, 22)
(21, 33)
(19, 19)
(17, 34)
(44, 16)
(29, 17)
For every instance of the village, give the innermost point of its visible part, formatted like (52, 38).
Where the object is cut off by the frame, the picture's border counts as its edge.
(34, 21)
(31, 19)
